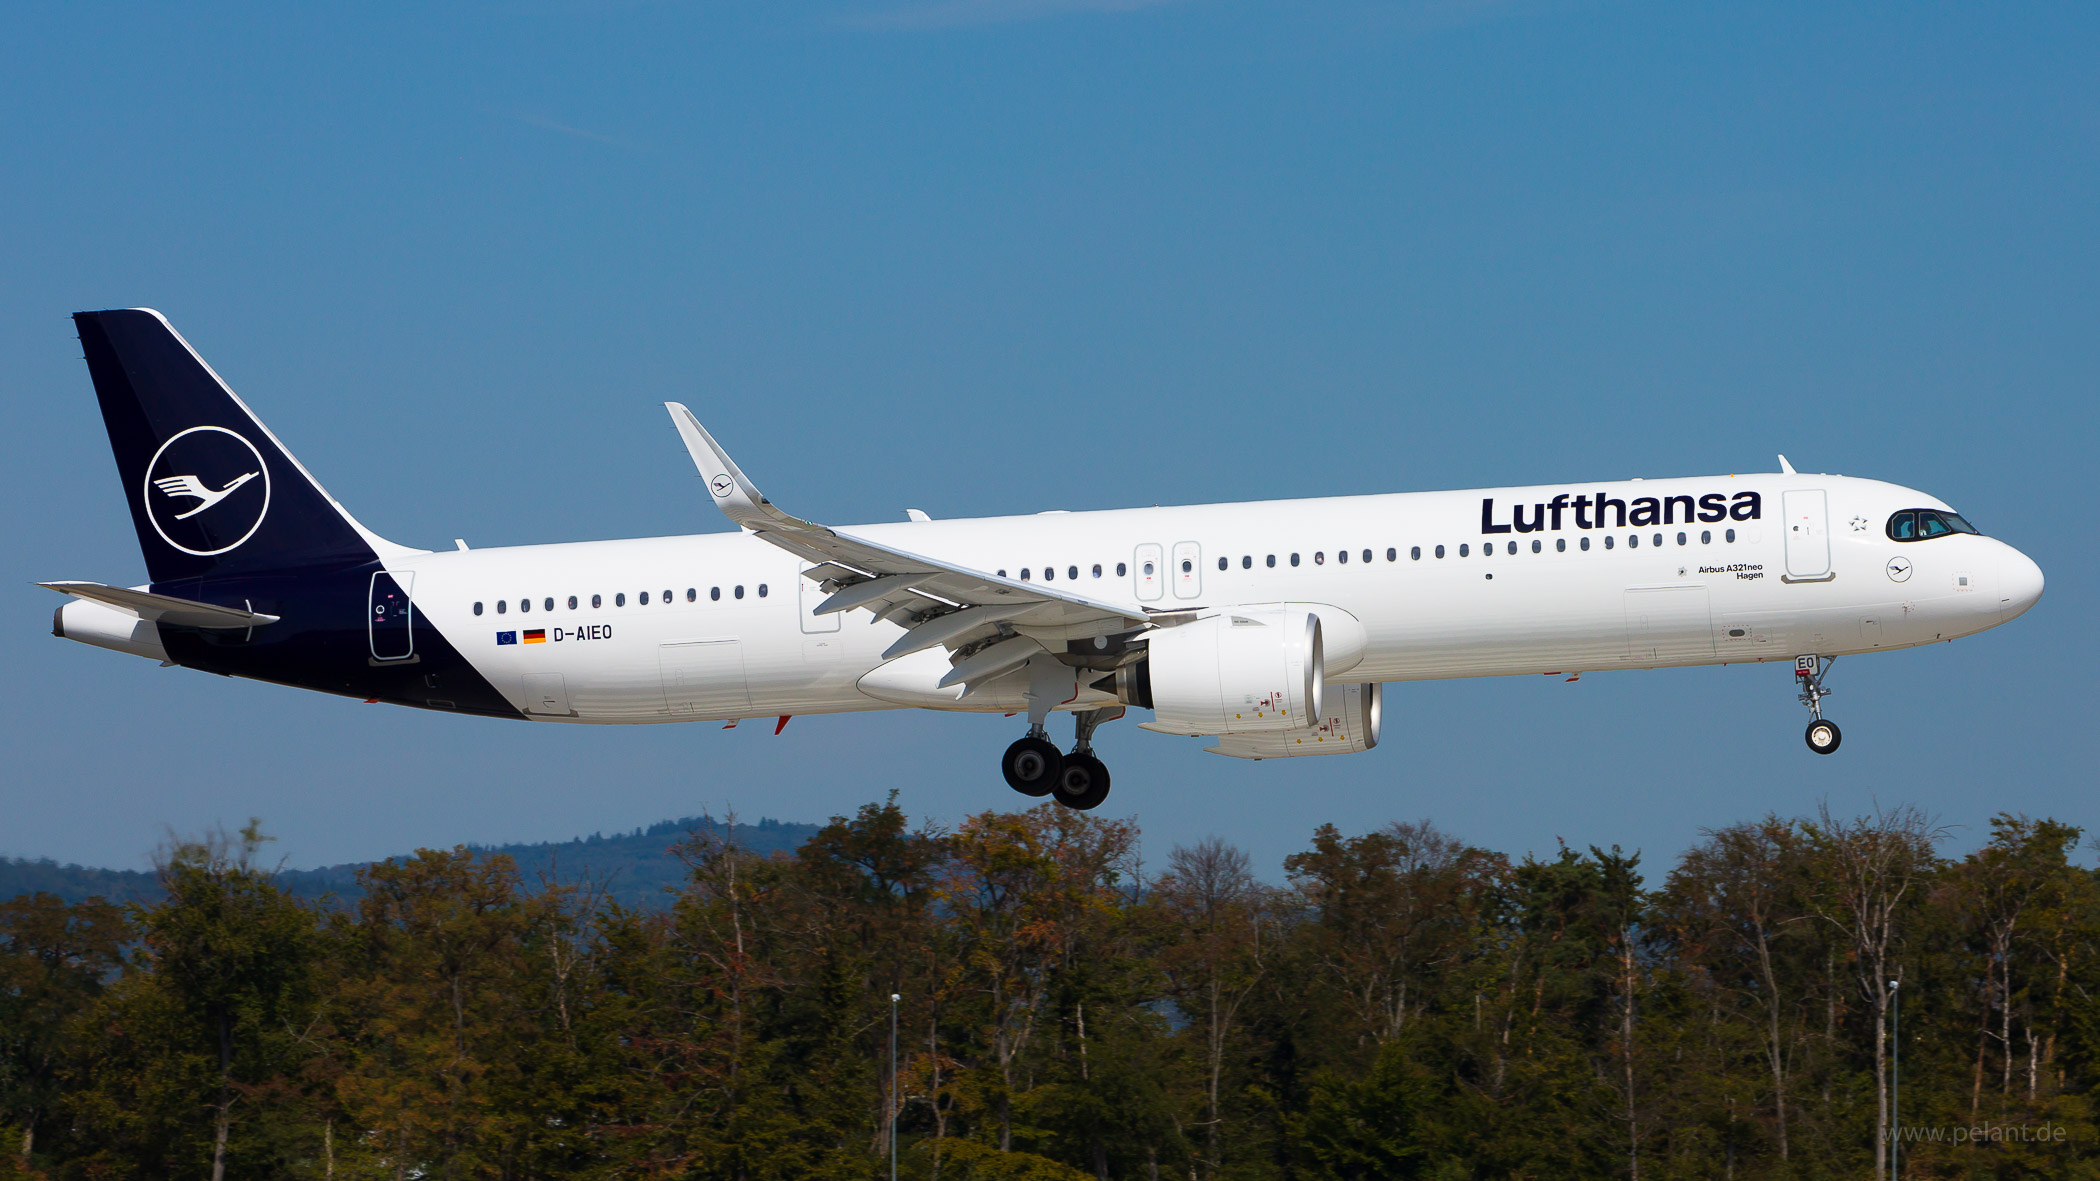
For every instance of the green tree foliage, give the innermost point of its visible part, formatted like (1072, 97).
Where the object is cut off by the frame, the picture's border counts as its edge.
(1404, 1005)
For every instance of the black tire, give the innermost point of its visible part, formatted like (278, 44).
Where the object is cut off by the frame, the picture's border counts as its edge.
(1084, 783)
(1032, 766)
(1823, 737)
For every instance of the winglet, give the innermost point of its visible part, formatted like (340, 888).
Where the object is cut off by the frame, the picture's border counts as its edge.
(1786, 467)
(733, 492)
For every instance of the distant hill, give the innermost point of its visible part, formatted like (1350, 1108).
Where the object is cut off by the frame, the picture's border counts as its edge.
(634, 867)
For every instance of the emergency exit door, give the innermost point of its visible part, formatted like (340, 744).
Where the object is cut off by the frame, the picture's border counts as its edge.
(1807, 535)
(388, 616)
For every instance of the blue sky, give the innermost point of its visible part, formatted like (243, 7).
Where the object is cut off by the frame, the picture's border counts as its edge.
(987, 256)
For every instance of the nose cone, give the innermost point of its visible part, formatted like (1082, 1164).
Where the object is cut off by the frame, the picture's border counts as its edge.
(2019, 583)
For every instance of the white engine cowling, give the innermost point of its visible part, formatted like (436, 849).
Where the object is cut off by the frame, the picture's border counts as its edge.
(1348, 726)
(1245, 670)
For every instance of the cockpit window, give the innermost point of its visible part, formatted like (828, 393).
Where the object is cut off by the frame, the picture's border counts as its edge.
(1923, 524)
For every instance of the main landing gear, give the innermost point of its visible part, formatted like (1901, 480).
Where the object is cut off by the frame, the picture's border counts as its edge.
(1823, 737)
(1078, 780)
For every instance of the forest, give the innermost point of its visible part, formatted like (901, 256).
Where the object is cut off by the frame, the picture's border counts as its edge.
(1793, 998)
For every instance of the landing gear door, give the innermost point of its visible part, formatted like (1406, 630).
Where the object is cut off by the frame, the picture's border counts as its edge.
(1188, 570)
(1807, 535)
(388, 616)
(1146, 577)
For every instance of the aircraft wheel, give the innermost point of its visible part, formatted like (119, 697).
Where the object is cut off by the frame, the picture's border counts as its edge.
(1032, 766)
(1823, 737)
(1084, 783)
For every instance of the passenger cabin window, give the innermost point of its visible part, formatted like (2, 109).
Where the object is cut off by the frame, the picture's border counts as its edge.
(644, 599)
(477, 608)
(1319, 557)
(1392, 553)
(738, 592)
(1072, 572)
(1586, 542)
(1512, 547)
(1465, 550)
(1246, 561)
(1224, 563)
(1342, 556)
(620, 599)
(572, 602)
(1367, 555)
(667, 596)
(1537, 545)
(502, 605)
(1440, 551)
(1415, 552)
(1609, 541)
(1272, 561)
(549, 604)
(761, 590)
(1706, 537)
(597, 601)
(1097, 569)
(1122, 568)
(692, 594)
(1729, 536)
(1560, 545)
(1294, 559)
(714, 594)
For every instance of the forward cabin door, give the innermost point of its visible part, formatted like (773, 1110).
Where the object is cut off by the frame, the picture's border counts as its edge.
(1807, 535)
(388, 614)
(1147, 579)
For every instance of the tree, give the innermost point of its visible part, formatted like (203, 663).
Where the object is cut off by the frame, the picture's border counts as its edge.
(54, 959)
(1867, 869)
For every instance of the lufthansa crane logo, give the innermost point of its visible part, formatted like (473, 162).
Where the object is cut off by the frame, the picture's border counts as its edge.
(206, 491)
(722, 485)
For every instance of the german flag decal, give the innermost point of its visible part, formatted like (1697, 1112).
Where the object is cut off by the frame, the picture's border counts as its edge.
(536, 636)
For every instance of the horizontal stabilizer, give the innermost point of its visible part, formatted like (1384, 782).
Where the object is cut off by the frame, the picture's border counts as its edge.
(163, 608)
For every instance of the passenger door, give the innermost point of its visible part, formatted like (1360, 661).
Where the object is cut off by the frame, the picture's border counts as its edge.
(1146, 577)
(1188, 569)
(811, 596)
(1807, 535)
(389, 616)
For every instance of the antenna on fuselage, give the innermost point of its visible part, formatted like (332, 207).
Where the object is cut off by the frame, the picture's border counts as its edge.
(1786, 467)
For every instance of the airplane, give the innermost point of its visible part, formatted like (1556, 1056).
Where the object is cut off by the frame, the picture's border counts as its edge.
(1269, 626)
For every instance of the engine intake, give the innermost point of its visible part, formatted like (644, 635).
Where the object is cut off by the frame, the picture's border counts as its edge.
(1246, 670)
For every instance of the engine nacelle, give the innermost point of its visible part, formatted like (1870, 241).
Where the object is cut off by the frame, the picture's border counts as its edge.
(1349, 726)
(1245, 670)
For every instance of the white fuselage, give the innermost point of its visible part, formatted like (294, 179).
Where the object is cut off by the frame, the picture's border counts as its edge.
(1814, 572)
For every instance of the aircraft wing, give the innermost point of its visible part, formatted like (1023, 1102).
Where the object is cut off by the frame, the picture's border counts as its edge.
(163, 608)
(941, 602)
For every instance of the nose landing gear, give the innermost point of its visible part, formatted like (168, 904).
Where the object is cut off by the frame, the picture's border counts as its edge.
(1822, 736)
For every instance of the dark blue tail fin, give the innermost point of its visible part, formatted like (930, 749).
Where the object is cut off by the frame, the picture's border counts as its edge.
(211, 490)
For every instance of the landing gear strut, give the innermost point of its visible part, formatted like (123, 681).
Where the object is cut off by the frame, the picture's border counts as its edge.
(1823, 737)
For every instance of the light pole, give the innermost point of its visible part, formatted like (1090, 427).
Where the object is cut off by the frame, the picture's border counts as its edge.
(1896, 1083)
(894, 998)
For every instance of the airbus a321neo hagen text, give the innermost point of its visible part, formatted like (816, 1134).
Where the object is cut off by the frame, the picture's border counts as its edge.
(1270, 625)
